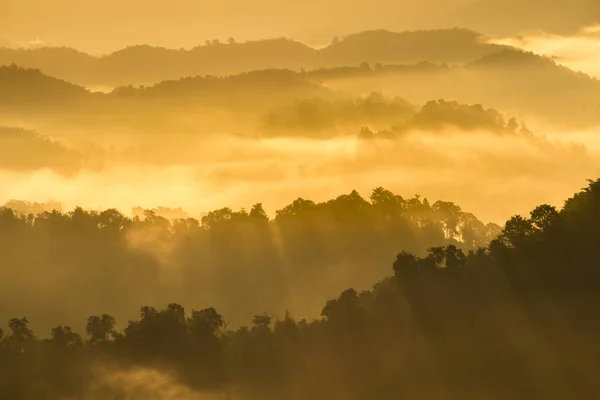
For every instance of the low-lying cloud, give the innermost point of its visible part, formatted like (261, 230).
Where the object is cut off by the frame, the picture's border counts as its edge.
(141, 384)
(480, 171)
(579, 52)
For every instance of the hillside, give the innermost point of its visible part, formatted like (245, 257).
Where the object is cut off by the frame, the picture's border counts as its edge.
(60, 62)
(437, 115)
(320, 118)
(522, 84)
(546, 90)
(147, 65)
(385, 47)
(262, 82)
(22, 150)
(26, 86)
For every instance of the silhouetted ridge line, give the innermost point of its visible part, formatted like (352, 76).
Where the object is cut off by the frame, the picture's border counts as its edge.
(143, 64)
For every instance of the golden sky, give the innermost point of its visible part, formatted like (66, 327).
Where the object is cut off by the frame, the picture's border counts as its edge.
(109, 24)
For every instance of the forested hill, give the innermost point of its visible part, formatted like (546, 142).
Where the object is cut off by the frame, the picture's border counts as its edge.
(146, 65)
(22, 86)
(28, 89)
(547, 91)
(515, 319)
(295, 261)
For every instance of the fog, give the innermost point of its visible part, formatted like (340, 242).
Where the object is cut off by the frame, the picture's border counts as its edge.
(579, 52)
(481, 171)
(141, 384)
(313, 200)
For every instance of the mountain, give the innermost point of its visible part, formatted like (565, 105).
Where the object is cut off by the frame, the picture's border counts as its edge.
(22, 150)
(516, 82)
(381, 46)
(146, 65)
(21, 85)
(154, 64)
(252, 85)
(60, 62)
(30, 92)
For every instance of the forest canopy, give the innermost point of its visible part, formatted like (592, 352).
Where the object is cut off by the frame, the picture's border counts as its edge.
(449, 307)
(294, 261)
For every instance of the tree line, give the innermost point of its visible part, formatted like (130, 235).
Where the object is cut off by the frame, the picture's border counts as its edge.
(516, 318)
(296, 260)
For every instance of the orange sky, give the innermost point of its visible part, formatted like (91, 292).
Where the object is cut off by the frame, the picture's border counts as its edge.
(107, 25)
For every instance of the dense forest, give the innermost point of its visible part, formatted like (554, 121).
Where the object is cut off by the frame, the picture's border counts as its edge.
(512, 319)
(296, 260)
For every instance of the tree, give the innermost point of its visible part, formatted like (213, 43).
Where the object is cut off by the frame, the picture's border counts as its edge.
(449, 213)
(454, 257)
(20, 329)
(64, 337)
(543, 216)
(262, 322)
(100, 329)
(436, 255)
(257, 211)
(206, 322)
(516, 231)
(344, 309)
(405, 265)
(512, 125)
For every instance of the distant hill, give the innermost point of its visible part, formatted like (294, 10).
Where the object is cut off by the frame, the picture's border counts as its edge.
(21, 85)
(29, 89)
(518, 83)
(146, 65)
(381, 46)
(510, 80)
(512, 58)
(255, 88)
(60, 62)
(319, 118)
(22, 150)
(440, 114)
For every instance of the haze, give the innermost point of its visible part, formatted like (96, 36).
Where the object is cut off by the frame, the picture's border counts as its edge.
(579, 52)
(333, 200)
(110, 25)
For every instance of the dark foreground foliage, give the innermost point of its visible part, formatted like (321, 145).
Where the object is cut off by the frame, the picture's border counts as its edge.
(517, 319)
(240, 262)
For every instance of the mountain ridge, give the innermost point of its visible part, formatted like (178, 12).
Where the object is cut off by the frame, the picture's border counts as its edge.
(145, 64)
